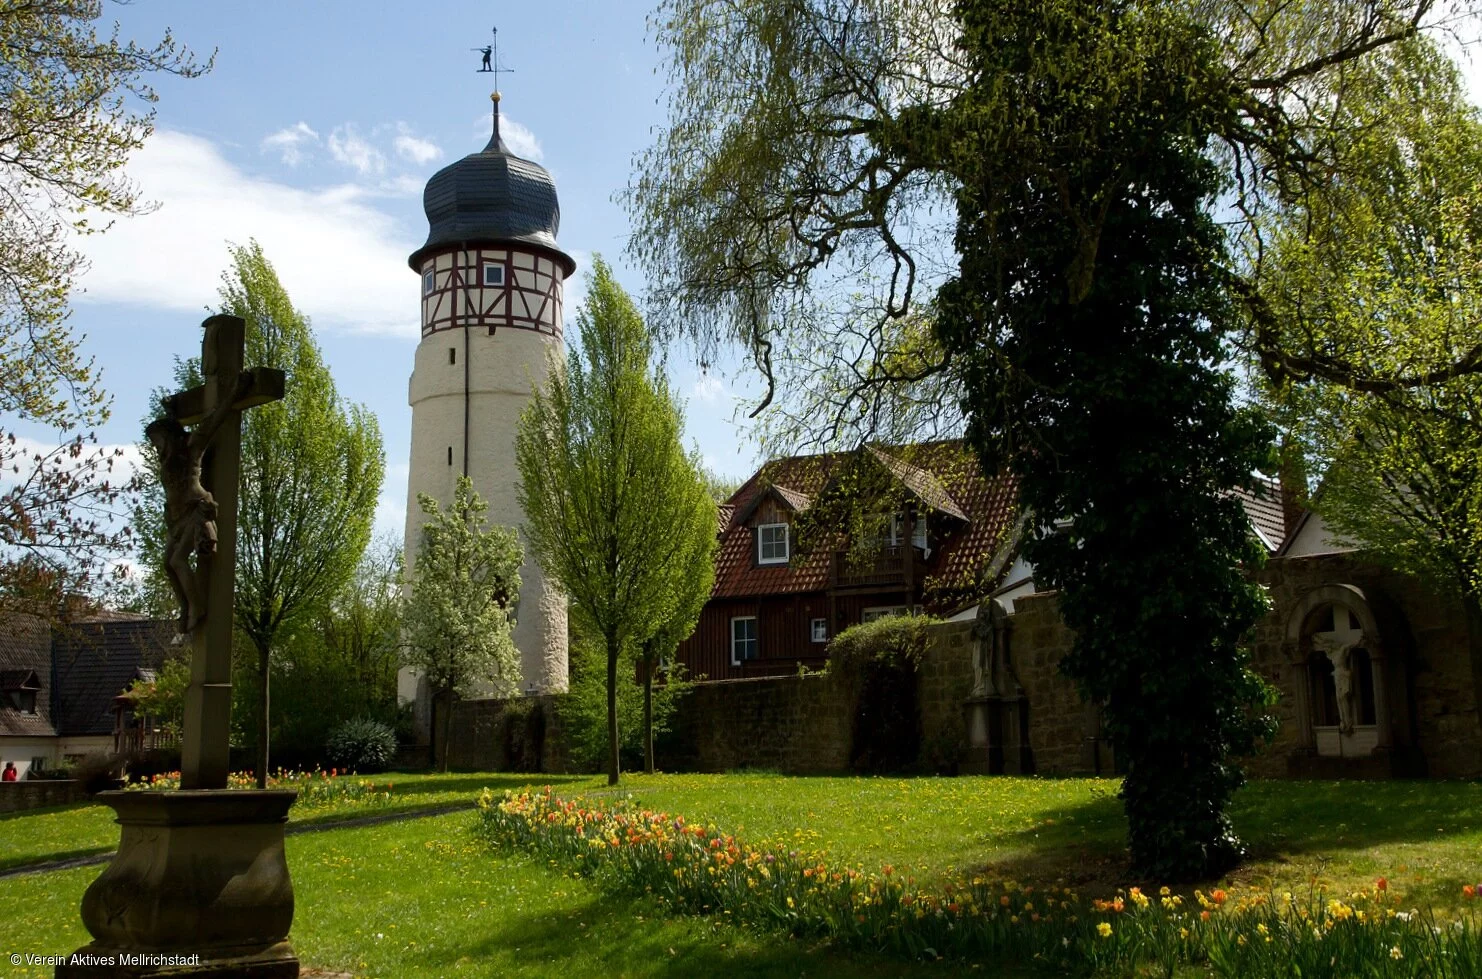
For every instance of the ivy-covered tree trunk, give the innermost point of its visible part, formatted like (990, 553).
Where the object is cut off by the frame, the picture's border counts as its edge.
(1093, 363)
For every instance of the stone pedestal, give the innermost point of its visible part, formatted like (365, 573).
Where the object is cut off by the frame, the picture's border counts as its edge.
(998, 736)
(199, 887)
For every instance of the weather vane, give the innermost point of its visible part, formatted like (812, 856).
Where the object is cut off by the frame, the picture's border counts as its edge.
(491, 58)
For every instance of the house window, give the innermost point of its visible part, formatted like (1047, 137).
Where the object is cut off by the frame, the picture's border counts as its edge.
(881, 611)
(771, 543)
(820, 630)
(743, 639)
(493, 275)
(26, 701)
(429, 281)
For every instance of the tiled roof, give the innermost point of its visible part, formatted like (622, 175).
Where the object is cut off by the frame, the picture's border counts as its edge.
(25, 646)
(1263, 507)
(943, 474)
(95, 661)
(723, 514)
(928, 488)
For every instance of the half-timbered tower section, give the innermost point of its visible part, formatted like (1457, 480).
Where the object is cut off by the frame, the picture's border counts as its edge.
(490, 279)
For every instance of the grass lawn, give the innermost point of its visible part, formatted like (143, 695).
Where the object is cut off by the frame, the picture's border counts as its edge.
(425, 899)
(422, 898)
(88, 828)
(1426, 837)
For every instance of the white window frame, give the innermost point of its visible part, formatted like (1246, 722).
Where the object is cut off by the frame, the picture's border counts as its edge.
(883, 611)
(429, 282)
(818, 630)
(761, 544)
(918, 533)
(484, 275)
(754, 639)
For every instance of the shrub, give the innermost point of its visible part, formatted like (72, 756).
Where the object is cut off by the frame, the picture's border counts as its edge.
(880, 660)
(362, 745)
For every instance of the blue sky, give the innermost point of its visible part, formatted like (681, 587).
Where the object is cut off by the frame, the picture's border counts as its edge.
(315, 134)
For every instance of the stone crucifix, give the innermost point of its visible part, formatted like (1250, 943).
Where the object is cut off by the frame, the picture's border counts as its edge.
(1338, 645)
(199, 470)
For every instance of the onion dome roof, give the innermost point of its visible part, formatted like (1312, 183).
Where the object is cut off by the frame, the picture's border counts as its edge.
(492, 197)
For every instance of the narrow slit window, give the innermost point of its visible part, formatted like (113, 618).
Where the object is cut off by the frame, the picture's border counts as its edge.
(493, 275)
(450, 455)
(452, 355)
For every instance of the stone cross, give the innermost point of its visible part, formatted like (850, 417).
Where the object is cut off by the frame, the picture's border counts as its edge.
(219, 403)
(1338, 646)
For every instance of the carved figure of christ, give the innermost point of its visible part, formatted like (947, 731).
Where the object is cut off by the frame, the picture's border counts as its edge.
(1338, 646)
(200, 482)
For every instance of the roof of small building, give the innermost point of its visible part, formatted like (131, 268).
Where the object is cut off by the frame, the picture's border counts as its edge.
(944, 476)
(25, 648)
(941, 474)
(95, 662)
(492, 197)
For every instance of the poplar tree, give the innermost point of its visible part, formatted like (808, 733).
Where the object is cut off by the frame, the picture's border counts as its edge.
(460, 605)
(617, 512)
(311, 474)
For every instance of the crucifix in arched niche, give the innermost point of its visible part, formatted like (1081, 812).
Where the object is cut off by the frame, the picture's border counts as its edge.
(1347, 677)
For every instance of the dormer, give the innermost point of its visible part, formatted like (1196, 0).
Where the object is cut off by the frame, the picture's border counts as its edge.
(19, 689)
(769, 516)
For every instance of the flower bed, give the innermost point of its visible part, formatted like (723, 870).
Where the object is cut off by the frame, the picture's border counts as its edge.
(317, 790)
(696, 869)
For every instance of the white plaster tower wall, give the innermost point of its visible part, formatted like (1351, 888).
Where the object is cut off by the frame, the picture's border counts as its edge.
(491, 282)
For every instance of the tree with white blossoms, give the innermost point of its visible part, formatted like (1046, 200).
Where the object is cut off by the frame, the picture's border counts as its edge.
(460, 608)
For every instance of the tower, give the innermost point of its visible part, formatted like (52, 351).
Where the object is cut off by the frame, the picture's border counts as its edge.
(491, 278)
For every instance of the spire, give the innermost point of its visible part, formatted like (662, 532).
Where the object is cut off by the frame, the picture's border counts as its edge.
(496, 142)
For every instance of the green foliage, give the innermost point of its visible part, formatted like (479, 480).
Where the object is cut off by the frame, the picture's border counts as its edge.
(163, 698)
(880, 661)
(583, 710)
(618, 513)
(361, 745)
(459, 610)
(72, 110)
(343, 664)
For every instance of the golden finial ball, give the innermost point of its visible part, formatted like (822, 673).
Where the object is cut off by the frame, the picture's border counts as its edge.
(494, 97)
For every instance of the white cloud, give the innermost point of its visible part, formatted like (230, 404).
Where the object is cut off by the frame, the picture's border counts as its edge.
(289, 142)
(341, 259)
(708, 387)
(348, 147)
(413, 148)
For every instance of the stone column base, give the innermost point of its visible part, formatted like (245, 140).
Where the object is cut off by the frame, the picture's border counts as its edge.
(199, 887)
(94, 961)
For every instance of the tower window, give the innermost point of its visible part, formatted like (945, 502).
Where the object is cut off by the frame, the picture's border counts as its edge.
(452, 355)
(493, 274)
(450, 455)
(429, 280)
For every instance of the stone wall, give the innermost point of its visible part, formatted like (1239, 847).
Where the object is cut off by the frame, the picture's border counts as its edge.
(1064, 732)
(519, 734)
(942, 687)
(1431, 634)
(795, 724)
(39, 793)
